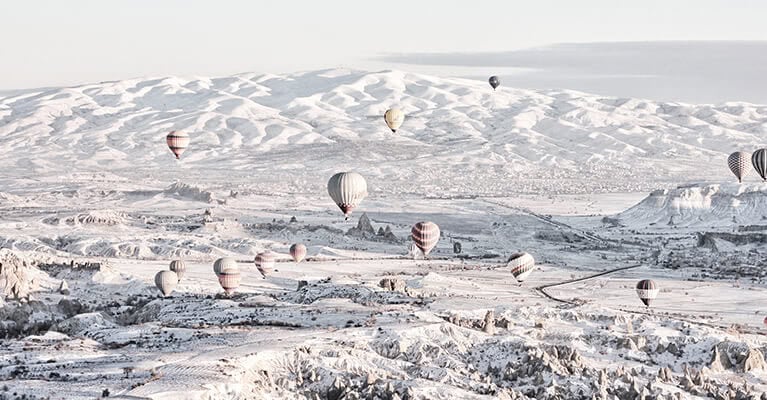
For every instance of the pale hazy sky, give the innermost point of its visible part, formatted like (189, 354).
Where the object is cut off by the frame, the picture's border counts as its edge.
(63, 42)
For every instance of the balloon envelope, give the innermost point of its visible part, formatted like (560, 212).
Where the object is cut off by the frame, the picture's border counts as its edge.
(425, 235)
(298, 252)
(225, 263)
(265, 263)
(522, 264)
(394, 118)
(494, 81)
(177, 142)
(647, 290)
(347, 189)
(738, 163)
(166, 281)
(229, 280)
(759, 161)
(178, 267)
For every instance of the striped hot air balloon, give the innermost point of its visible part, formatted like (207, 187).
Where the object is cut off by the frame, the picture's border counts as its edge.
(230, 280)
(265, 263)
(425, 235)
(647, 290)
(177, 142)
(223, 264)
(166, 281)
(738, 163)
(394, 118)
(347, 189)
(759, 161)
(521, 264)
(298, 252)
(178, 267)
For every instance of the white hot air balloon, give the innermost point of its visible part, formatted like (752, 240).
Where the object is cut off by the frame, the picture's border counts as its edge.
(224, 263)
(166, 281)
(347, 189)
(739, 163)
(521, 264)
(394, 118)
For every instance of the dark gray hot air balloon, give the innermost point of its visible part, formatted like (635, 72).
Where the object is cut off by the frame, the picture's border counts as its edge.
(166, 281)
(759, 161)
(494, 82)
(178, 267)
(647, 290)
(738, 163)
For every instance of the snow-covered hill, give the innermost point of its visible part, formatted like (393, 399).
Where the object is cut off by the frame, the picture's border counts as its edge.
(701, 206)
(290, 132)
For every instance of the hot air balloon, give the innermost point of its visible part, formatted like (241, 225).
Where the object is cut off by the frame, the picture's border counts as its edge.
(647, 291)
(494, 82)
(738, 163)
(394, 118)
(765, 320)
(522, 264)
(298, 252)
(265, 263)
(347, 189)
(178, 142)
(759, 160)
(178, 267)
(166, 281)
(425, 235)
(230, 280)
(223, 264)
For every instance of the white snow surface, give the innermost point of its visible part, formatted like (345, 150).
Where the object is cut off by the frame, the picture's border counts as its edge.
(90, 195)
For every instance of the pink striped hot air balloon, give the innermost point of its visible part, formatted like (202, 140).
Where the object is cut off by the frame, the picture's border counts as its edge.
(425, 236)
(230, 280)
(177, 142)
(298, 252)
(265, 263)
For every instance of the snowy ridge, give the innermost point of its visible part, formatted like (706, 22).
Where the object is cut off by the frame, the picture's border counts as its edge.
(710, 205)
(300, 128)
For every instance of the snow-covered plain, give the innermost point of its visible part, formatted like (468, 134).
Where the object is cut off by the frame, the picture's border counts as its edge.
(91, 195)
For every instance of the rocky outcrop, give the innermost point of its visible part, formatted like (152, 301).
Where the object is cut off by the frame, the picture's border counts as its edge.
(392, 284)
(737, 356)
(16, 276)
